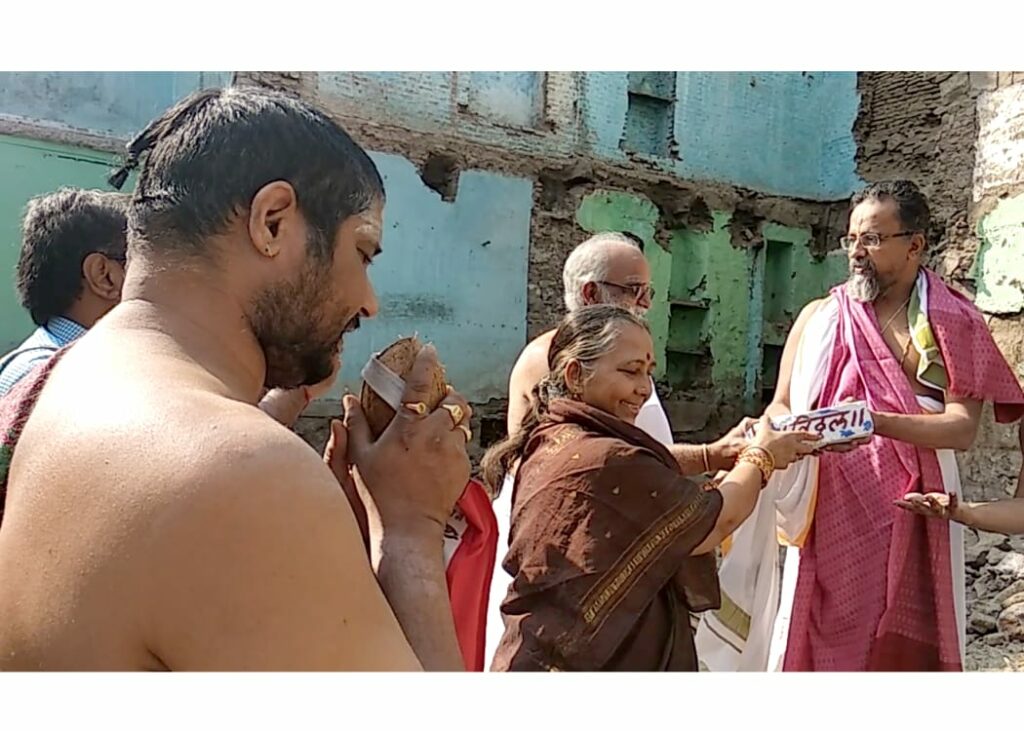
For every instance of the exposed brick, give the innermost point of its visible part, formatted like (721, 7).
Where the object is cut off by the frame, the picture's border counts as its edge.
(429, 114)
(291, 82)
(922, 126)
(955, 87)
(984, 80)
(560, 101)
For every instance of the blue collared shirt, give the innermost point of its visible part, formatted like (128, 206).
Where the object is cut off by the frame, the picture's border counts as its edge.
(38, 348)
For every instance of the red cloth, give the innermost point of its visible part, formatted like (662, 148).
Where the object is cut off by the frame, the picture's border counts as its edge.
(874, 590)
(975, 367)
(469, 573)
(15, 408)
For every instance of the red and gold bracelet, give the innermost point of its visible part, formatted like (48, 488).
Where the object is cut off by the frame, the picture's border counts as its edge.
(760, 458)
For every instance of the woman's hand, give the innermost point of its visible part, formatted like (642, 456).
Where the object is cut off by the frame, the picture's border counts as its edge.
(785, 447)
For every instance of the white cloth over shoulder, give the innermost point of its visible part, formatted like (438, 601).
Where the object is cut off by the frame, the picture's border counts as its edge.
(750, 630)
(738, 635)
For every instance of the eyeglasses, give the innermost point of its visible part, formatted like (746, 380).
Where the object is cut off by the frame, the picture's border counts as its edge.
(637, 290)
(870, 240)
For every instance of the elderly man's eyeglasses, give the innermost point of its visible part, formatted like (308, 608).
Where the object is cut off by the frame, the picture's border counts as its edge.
(636, 290)
(870, 240)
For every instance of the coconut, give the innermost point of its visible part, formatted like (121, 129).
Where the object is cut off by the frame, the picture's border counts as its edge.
(399, 358)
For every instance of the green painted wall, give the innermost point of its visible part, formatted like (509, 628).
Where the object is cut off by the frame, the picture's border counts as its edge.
(792, 276)
(721, 314)
(614, 211)
(709, 300)
(29, 168)
(999, 266)
(788, 277)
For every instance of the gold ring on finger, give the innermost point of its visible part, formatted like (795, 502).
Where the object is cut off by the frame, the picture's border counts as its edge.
(456, 412)
(466, 432)
(417, 407)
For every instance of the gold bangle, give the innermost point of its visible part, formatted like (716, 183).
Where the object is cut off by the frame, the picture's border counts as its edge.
(758, 462)
(758, 457)
(704, 456)
(769, 457)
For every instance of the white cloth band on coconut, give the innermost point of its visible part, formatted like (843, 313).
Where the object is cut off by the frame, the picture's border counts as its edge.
(385, 382)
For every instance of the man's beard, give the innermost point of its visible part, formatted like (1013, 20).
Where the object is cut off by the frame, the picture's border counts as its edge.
(291, 322)
(863, 286)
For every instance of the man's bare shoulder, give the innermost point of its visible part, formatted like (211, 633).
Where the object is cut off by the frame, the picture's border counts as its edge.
(182, 454)
(240, 448)
(258, 521)
(251, 470)
(533, 360)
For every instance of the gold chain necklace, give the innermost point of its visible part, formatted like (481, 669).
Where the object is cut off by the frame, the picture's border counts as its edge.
(906, 350)
(910, 337)
(894, 315)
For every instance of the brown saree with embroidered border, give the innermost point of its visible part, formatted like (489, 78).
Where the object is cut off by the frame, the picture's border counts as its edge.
(603, 524)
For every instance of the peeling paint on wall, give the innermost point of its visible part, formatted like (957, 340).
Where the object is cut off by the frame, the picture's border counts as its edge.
(999, 161)
(465, 153)
(115, 103)
(453, 272)
(722, 309)
(999, 267)
(743, 128)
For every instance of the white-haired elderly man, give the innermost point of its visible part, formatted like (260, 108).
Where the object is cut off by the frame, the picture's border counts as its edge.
(608, 268)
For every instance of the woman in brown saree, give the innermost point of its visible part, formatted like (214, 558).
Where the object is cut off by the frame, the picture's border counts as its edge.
(611, 548)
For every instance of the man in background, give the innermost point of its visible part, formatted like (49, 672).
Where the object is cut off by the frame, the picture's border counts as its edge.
(70, 271)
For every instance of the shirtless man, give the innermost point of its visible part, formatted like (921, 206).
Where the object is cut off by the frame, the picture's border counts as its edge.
(155, 518)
